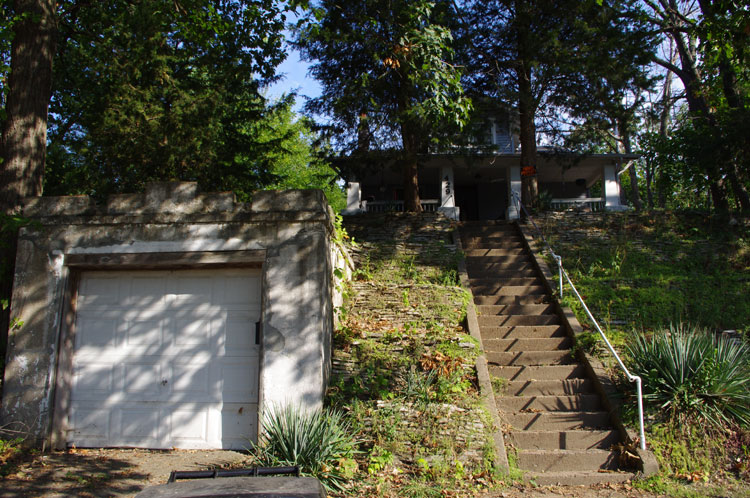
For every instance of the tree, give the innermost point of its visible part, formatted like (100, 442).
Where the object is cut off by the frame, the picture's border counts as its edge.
(294, 161)
(24, 130)
(387, 79)
(159, 90)
(711, 40)
(553, 58)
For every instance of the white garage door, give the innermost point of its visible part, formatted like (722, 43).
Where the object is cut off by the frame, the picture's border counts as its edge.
(166, 359)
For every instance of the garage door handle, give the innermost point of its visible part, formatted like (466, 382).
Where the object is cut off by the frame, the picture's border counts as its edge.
(257, 332)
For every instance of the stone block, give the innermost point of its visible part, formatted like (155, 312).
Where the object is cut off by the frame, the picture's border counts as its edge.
(58, 206)
(289, 200)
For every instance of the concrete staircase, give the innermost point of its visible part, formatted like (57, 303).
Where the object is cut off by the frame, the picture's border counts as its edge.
(558, 430)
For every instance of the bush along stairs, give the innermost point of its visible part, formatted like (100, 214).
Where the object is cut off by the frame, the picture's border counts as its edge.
(556, 426)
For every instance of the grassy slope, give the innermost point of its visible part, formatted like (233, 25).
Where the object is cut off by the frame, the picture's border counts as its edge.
(404, 364)
(638, 274)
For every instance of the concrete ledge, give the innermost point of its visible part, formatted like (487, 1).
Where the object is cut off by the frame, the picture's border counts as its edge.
(648, 464)
(483, 373)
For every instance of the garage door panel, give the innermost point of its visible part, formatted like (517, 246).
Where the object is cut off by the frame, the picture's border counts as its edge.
(99, 291)
(91, 422)
(193, 331)
(194, 380)
(144, 331)
(238, 424)
(96, 331)
(240, 381)
(94, 380)
(146, 292)
(239, 334)
(192, 290)
(142, 377)
(238, 291)
(138, 423)
(168, 361)
(189, 427)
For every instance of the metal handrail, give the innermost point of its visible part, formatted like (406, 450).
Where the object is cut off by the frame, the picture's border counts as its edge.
(562, 272)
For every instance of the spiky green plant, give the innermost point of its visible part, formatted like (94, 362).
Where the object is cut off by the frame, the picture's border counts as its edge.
(319, 441)
(689, 372)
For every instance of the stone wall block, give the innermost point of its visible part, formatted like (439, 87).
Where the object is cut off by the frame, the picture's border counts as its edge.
(59, 206)
(289, 200)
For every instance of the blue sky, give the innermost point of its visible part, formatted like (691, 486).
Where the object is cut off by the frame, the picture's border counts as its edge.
(294, 78)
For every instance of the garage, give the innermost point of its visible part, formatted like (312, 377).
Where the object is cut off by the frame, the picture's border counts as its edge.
(165, 359)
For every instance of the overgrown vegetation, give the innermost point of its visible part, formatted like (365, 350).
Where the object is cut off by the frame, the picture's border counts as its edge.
(641, 274)
(319, 441)
(404, 364)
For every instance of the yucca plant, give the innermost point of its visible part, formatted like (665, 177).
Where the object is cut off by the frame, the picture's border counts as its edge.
(690, 372)
(319, 441)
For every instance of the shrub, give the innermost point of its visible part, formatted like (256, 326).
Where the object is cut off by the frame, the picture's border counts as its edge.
(319, 441)
(691, 373)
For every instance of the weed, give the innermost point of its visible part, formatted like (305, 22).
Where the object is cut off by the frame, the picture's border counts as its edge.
(692, 374)
(499, 385)
(320, 442)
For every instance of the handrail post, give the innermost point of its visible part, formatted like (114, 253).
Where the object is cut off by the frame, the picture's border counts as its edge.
(558, 259)
(639, 388)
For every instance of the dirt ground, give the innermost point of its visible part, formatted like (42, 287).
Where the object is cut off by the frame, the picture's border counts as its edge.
(125, 472)
(107, 472)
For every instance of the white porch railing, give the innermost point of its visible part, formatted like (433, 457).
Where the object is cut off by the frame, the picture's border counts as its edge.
(428, 205)
(591, 203)
(562, 273)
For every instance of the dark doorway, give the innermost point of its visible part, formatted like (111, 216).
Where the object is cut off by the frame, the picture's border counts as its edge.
(466, 199)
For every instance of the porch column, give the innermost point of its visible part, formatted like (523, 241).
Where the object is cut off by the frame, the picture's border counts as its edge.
(514, 186)
(353, 198)
(448, 194)
(610, 187)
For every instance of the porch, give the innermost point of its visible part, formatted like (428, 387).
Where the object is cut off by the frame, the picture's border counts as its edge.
(482, 187)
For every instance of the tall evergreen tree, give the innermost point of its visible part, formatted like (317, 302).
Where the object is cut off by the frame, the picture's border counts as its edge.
(157, 90)
(551, 58)
(387, 78)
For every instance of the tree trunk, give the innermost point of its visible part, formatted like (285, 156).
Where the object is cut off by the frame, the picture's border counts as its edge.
(24, 139)
(627, 148)
(24, 134)
(526, 112)
(412, 203)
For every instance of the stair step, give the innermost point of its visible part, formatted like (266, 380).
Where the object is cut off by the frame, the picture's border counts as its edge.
(524, 388)
(508, 320)
(506, 300)
(497, 256)
(553, 372)
(516, 309)
(567, 460)
(578, 478)
(481, 263)
(497, 274)
(557, 421)
(576, 402)
(530, 358)
(564, 440)
(535, 344)
(502, 282)
(522, 332)
(491, 230)
(509, 290)
(498, 244)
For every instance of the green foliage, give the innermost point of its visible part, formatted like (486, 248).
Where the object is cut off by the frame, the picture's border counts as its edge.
(320, 442)
(690, 374)
(158, 90)
(385, 72)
